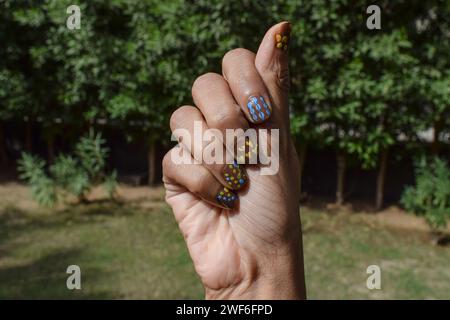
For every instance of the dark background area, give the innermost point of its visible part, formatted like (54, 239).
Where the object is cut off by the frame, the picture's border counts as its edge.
(320, 171)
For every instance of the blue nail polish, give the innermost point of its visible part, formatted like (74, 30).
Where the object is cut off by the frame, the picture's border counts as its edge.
(258, 108)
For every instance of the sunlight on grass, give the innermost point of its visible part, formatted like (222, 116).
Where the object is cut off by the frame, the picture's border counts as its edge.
(128, 252)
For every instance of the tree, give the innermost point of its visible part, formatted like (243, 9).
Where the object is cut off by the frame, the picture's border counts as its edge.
(132, 63)
(170, 44)
(356, 88)
(14, 85)
(331, 84)
(432, 87)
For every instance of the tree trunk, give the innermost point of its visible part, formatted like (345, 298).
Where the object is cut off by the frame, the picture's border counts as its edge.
(151, 164)
(29, 137)
(437, 128)
(51, 149)
(301, 157)
(379, 197)
(3, 154)
(341, 163)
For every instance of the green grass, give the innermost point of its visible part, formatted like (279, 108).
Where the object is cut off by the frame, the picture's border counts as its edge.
(128, 252)
(122, 253)
(338, 250)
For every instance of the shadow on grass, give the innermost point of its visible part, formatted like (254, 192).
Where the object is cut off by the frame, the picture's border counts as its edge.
(16, 220)
(28, 274)
(45, 278)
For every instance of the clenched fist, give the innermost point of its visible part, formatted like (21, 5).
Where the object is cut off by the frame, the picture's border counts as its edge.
(241, 226)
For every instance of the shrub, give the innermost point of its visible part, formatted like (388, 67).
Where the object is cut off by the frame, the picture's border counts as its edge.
(32, 170)
(72, 175)
(430, 197)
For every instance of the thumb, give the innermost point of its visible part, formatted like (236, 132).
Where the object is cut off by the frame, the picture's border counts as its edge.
(272, 64)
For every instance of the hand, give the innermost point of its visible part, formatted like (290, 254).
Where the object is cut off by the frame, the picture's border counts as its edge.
(242, 228)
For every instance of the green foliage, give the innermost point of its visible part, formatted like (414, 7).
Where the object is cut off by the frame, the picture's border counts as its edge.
(430, 197)
(92, 154)
(69, 175)
(12, 94)
(133, 61)
(353, 85)
(32, 170)
(110, 184)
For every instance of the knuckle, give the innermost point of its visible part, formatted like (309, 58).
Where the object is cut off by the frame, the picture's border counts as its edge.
(224, 120)
(178, 116)
(236, 55)
(205, 80)
(280, 76)
(283, 79)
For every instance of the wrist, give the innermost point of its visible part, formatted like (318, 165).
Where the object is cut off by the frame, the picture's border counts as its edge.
(280, 277)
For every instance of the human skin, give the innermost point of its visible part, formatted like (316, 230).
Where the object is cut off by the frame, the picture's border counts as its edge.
(250, 247)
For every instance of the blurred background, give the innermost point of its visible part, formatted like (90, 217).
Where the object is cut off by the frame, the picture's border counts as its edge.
(84, 126)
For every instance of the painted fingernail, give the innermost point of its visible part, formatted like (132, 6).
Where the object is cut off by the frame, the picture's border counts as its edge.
(282, 41)
(235, 176)
(226, 198)
(248, 152)
(259, 109)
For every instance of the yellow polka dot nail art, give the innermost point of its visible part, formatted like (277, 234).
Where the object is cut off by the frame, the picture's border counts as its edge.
(248, 153)
(282, 41)
(235, 176)
(226, 198)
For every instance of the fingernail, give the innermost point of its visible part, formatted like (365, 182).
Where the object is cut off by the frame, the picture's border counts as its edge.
(235, 176)
(259, 109)
(247, 152)
(226, 198)
(282, 40)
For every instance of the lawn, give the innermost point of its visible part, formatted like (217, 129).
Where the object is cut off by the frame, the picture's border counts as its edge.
(133, 250)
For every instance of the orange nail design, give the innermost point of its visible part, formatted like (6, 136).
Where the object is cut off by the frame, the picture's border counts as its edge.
(281, 41)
